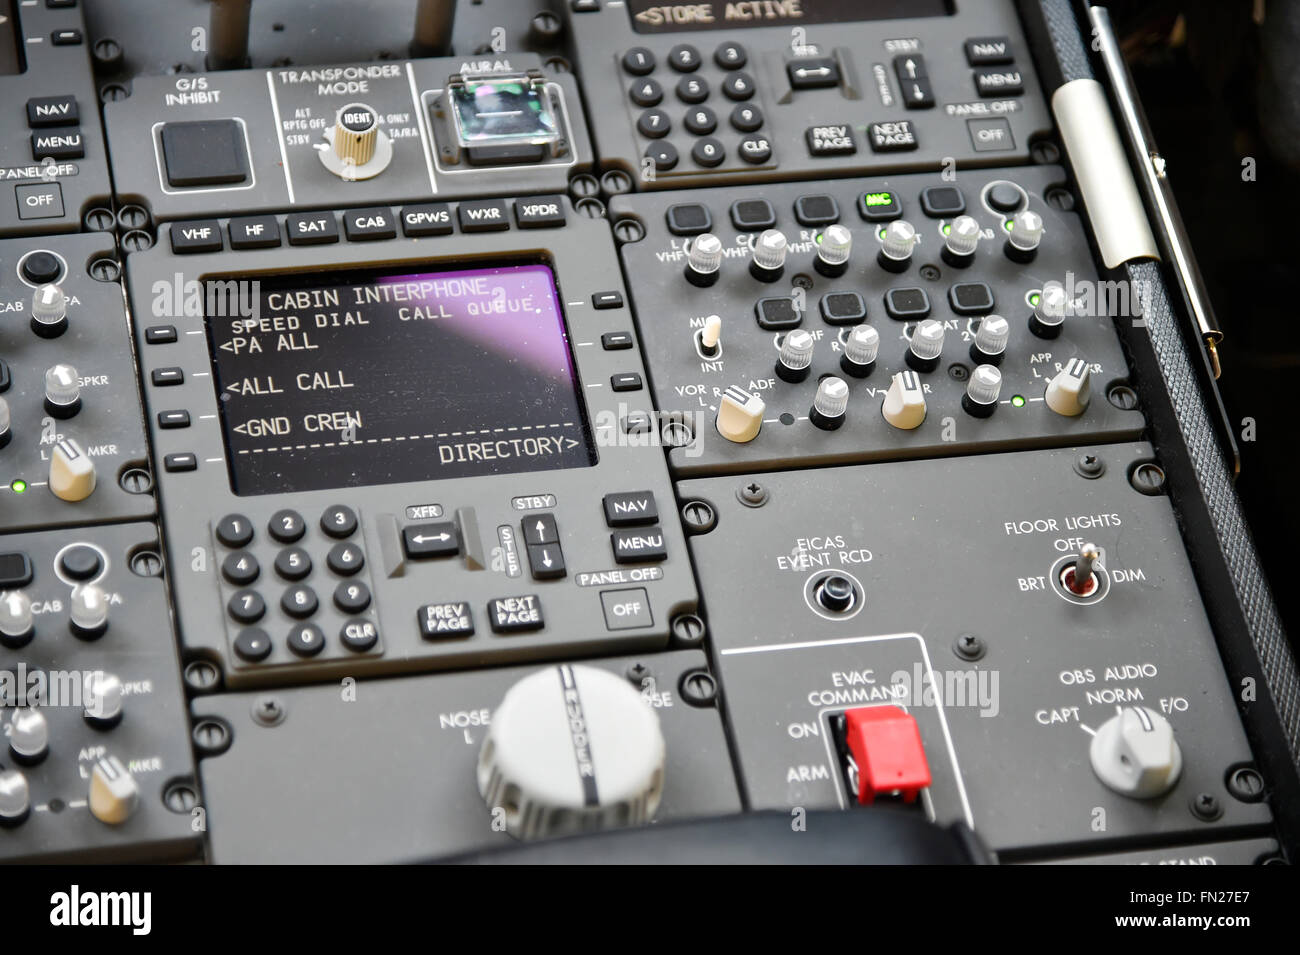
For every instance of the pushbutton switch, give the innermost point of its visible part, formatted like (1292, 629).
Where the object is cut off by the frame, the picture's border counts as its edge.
(885, 753)
(207, 152)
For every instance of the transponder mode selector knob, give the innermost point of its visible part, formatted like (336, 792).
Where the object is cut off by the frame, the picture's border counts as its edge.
(359, 148)
(571, 749)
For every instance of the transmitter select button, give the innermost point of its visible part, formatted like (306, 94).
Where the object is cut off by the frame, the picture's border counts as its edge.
(540, 212)
(636, 546)
(452, 619)
(432, 218)
(516, 614)
(368, 225)
(482, 215)
(254, 232)
(312, 228)
(203, 235)
(424, 541)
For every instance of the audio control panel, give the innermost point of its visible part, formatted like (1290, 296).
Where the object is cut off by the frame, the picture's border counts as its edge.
(96, 762)
(701, 94)
(72, 441)
(874, 319)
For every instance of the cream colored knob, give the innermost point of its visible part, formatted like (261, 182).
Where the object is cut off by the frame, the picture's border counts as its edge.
(740, 415)
(72, 472)
(904, 405)
(356, 130)
(114, 793)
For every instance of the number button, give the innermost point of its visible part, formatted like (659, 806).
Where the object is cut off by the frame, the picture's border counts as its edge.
(701, 121)
(252, 644)
(684, 58)
(663, 156)
(730, 56)
(639, 61)
(287, 526)
(352, 596)
(738, 86)
(299, 601)
(653, 123)
(708, 152)
(339, 521)
(306, 640)
(692, 89)
(246, 606)
(235, 530)
(646, 93)
(345, 559)
(747, 118)
(293, 563)
(240, 568)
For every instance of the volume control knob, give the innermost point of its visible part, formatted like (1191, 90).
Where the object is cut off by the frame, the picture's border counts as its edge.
(769, 255)
(833, 251)
(16, 619)
(49, 311)
(572, 748)
(704, 260)
(29, 736)
(1025, 235)
(830, 403)
(62, 391)
(6, 431)
(102, 698)
(89, 611)
(795, 357)
(15, 797)
(961, 242)
(359, 148)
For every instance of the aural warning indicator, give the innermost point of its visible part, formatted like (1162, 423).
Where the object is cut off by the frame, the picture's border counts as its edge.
(349, 379)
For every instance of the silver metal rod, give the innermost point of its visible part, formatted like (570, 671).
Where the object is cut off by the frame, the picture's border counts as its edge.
(228, 34)
(434, 20)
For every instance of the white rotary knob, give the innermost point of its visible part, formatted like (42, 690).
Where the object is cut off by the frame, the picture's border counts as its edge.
(359, 149)
(572, 748)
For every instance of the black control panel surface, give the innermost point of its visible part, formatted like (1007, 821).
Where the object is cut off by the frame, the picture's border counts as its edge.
(422, 439)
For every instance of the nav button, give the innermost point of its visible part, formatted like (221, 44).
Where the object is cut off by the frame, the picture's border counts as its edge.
(626, 609)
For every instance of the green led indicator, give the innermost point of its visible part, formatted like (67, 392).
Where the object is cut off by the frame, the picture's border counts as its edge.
(947, 227)
(818, 240)
(882, 232)
(18, 486)
(1033, 299)
(1008, 225)
(1017, 401)
(870, 199)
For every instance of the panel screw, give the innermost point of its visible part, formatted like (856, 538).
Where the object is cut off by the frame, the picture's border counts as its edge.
(180, 797)
(930, 273)
(752, 494)
(698, 688)
(201, 675)
(107, 51)
(1148, 478)
(698, 517)
(268, 711)
(105, 270)
(590, 208)
(969, 647)
(1089, 466)
(615, 181)
(1245, 783)
(113, 92)
(137, 240)
(629, 230)
(583, 185)
(958, 372)
(211, 736)
(1206, 807)
(99, 219)
(687, 630)
(132, 217)
(637, 673)
(146, 563)
(136, 481)
(1122, 397)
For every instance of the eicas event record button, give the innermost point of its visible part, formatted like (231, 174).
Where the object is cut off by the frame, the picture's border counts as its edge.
(516, 614)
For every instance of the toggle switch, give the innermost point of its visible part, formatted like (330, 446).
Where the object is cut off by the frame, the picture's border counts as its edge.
(1135, 753)
(795, 357)
(926, 348)
(962, 240)
(1070, 391)
(6, 432)
(904, 405)
(740, 415)
(769, 255)
(102, 699)
(1049, 314)
(359, 149)
(17, 626)
(860, 349)
(1080, 577)
(704, 260)
(62, 391)
(991, 339)
(886, 755)
(830, 403)
(1025, 235)
(49, 311)
(29, 736)
(833, 251)
(710, 337)
(896, 246)
(72, 472)
(15, 797)
(114, 793)
(89, 612)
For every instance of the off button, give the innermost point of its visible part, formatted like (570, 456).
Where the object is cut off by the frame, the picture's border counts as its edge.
(44, 201)
(990, 135)
(626, 609)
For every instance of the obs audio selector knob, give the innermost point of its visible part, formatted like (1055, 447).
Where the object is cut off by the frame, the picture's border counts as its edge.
(358, 148)
(571, 749)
